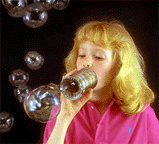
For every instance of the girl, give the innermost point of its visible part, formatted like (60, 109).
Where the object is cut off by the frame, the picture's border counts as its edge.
(118, 109)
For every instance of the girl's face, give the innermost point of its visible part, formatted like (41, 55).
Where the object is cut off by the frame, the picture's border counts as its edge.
(100, 60)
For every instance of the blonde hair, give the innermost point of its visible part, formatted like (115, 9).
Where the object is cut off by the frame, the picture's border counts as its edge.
(129, 85)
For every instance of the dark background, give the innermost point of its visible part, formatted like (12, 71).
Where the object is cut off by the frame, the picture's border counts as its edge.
(54, 40)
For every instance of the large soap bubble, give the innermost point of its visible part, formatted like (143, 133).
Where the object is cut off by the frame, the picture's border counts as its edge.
(18, 78)
(15, 8)
(47, 3)
(60, 4)
(21, 92)
(35, 15)
(6, 121)
(34, 60)
(43, 103)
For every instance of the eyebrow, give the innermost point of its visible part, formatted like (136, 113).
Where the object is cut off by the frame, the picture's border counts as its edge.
(82, 48)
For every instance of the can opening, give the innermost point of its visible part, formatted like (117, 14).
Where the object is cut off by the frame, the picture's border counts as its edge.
(70, 86)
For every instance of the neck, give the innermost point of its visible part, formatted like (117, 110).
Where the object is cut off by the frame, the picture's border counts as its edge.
(102, 98)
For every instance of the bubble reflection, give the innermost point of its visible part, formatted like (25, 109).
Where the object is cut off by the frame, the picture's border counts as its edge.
(21, 92)
(47, 4)
(35, 15)
(60, 4)
(43, 103)
(34, 60)
(18, 78)
(6, 121)
(15, 8)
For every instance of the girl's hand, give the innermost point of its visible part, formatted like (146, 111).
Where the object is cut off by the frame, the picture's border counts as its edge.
(71, 107)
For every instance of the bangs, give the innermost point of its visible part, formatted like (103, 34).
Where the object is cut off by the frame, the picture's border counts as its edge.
(101, 34)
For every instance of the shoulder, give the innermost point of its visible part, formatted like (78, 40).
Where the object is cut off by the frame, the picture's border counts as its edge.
(150, 114)
(152, 124)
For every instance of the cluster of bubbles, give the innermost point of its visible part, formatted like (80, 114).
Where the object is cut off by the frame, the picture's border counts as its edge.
(34, 15)
(41, 104)
(19, 78)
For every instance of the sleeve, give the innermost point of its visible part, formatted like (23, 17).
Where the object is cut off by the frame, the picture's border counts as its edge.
(48, 129)
(152, 127)
(51, 123)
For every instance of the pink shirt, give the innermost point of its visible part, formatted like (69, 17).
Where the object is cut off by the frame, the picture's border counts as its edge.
(89, 127)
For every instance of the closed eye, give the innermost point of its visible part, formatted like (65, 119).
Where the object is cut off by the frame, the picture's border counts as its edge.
(81, 56)
(99, 58)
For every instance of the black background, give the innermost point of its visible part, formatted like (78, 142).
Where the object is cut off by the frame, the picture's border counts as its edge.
(54, 40)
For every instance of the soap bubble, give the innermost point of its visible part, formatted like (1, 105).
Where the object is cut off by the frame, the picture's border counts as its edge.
(21, 92)
(47, 3)
(6, 121)
(15, 8)
(60, 4)
(18, 78)
(34, 60)
(43, 103)
(35, 15)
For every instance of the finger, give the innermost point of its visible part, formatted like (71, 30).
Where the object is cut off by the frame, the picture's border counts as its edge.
(70, 73)
(87, 95)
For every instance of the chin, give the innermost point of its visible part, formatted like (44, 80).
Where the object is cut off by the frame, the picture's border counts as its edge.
(97, 88)
(100, 87)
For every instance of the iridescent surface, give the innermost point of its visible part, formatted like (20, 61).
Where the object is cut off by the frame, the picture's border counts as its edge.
(34, 60)
(43, 103)
(6, 121)
(15, 8)
(35, 15)
(21, 92)
(47, 3)
(18, 78)
(60, 4)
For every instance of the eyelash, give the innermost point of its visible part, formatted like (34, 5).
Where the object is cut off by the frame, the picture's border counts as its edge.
(99, 58)
(81, 56)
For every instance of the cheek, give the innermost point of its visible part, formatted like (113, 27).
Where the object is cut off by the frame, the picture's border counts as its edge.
(103, 73)
(101, 68)
(78, 64)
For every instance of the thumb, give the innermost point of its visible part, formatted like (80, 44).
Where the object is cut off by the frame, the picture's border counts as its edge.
(63, 76)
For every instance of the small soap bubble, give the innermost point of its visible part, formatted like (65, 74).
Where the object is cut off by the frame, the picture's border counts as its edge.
(34, 60)
(60, 4)
(21, 92)
(35, 15)
(43, 103)
(15, 8)
(18, 78)
(6, 121)
(47, 3)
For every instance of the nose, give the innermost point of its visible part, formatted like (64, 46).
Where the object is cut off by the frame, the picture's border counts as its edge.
(88, 63)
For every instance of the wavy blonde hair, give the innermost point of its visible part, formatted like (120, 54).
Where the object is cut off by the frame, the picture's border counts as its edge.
(129, 85)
